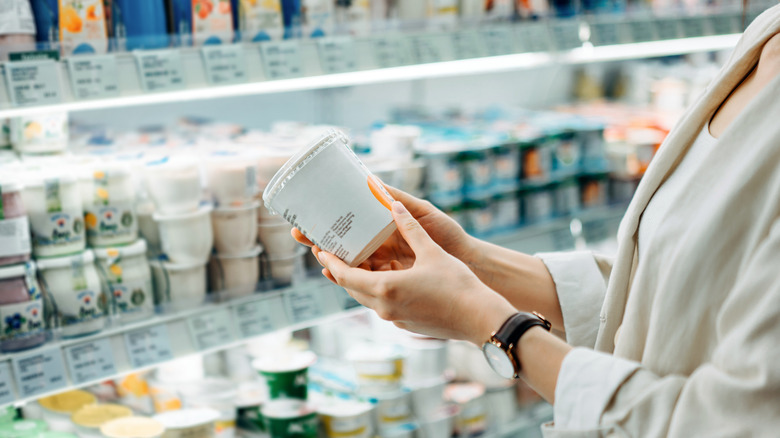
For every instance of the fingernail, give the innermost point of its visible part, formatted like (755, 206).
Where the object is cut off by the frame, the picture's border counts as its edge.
(398, 207)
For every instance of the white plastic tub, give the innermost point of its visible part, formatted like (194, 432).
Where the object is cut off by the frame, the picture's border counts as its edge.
(235, 230)
(218, 394)
(378, 367)
(276, 239)
(427, 397)
(284, 271)
(232, 178)
(173, 184)
(126, 272)
(189, 423)
(133, 427)
(108, 195)
(179, 286)
(342, 418)
(187, 237)
(235, 275)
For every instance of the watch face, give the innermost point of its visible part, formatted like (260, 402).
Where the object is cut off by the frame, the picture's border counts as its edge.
(498, 360)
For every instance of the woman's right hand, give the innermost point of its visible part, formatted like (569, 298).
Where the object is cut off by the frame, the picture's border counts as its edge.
(447, 233)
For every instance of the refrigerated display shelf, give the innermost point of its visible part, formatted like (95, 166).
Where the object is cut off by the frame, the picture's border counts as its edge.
(185, 74)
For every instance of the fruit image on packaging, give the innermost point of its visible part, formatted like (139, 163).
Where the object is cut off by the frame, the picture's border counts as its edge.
(82, 27)
(212, 22)
(259, 20)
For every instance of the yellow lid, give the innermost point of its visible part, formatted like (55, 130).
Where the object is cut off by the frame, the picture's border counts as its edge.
(93, 416)
(132, 427)
(68, 402)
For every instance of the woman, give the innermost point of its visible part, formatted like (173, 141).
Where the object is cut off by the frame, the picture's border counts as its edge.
(680, 334)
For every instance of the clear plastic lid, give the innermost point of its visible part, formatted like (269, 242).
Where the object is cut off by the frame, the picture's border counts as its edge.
(86, 257)
(134, 249)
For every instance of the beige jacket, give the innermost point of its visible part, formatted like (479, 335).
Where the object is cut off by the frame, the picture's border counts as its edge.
(698, 350)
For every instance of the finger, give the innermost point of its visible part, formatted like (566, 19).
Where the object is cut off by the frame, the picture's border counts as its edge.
(411, 230)
(329, 276)
(300, 238)
(395, 265)
(347, 277)
(415, 205)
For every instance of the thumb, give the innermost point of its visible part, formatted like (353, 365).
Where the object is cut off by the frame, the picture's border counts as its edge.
(411, 230)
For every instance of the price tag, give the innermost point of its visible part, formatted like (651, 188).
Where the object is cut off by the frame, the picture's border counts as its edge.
(337, 55)
(93, 77)
(254, 318)
(303, 305)
(723, 24)
(533, 37)
(389, 51)
(40, 372)
(566, 34)
(668, 29)
(605, 33)
(643, 30)
(224, 64)
(694, 27)
(161, 70)
(282, 59)
(429, 48)
(6, 392)
(148, 346)
(33, 82)
(465, 44)
(498, 40)
(90, 361)
(211, 329)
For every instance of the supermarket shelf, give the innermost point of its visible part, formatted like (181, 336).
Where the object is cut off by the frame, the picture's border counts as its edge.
(74, 363)
(179, 75)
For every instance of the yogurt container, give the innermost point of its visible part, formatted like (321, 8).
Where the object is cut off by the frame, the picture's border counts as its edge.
(506, 211)
(73, 284)
(108, 195)
(477, 173)
(129, 280)
(276, 239)
(147, 227)
(392, 408)
(186, 237)
(133, 427)
(378, 367)
(235, 229)
(427, 397)
(537, 205)
(502, 405)
(342, 418)
(284, 270)
(347, 215)
(444, 172)
(173, 184)
(179, 285)
(441, 424)
(189, 423)
(21, 309)
(290, 419)
(470, 398)
(235, 275)
(57, 409)
(232, 178)
(425, 359)
(15, 246)
(286, 373)
(566, 197)
(7, 414)
(89, 418)
(218, 394)
(249, 404)
(23, 428)
(55, 210)
(40, 133)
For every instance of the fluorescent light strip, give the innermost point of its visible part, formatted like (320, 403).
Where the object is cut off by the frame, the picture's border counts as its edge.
(463, 67)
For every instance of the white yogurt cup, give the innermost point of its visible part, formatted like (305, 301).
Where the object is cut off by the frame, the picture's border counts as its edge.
(173, 184)
(235, 275)
(40, 133)
(108, 195)
(341, 418)
(427, 397)
(441, 424)
(284, 271)
(392, 408)
(235, 229)
(217, 394)
(148, 228)
(126, 273)
(470, 398)
(502, 405)
(232, 178)
(179, 285)
(378, 367)
(328, 194)
(186, 237)
(426, 359)
(188, 423)
(133, 427)
(276, 239)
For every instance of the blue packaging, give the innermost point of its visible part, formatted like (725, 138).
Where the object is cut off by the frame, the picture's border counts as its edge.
(293, 19)
(47, 21)
(180, 22)
(139, 24)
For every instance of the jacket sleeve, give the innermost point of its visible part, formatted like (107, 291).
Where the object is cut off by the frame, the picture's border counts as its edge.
(736, 393)
(580, 279)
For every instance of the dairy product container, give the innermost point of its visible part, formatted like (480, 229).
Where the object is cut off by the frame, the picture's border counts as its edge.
(566, 154)
(133, 427)
(285, 270)
(501, 404)
(406, 430)
(536, 162)
(286, 373)
(249, 404)
(259, 21)
(470, 398)
(128, 277)
(179, 285)
(427, 396)
(74, 286)
(108, 195)
(378, 367)
(506, 167)
(318, 18)
(290, 418)
(537, 205)
(277, 240)
(594, 190)
(57, 409)
(342, 418)
(139, 24)
(235, 275)
(506, 211)
(40, 133)
(425, 359)
(15, 246)
(478, 217)
(477, 173)
(391, 408)
(23, 428)
(217, 394)
(442, 14)
(54, 207)
(184, 423)
(235, 229)
(212, 22)
(441, 424)
(89, 418)
(180, 21)
(566, 197)
(353, 17)
(82, 27)
(174, 184)
(444, 173)
(232, 178)
(21, 308)
(17, 29)
(328, 194)
(147, 227)
(186, 237)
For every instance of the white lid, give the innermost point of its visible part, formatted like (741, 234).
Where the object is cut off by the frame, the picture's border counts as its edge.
(251, 394)
(344, 408)
(208, 389)
(9, 186)
(15, 271)
(374, 353)
(287, 408)
(253, 253)
(463, 392)
(203, 209)
(281, 362)
(248, 206)
(132, 427)
(34, 178)
(85, 257)
(171, 266)
(186, 418)
(134, 249)
(167, 163)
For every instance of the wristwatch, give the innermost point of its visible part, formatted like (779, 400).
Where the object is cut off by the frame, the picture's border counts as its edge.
(500, 349)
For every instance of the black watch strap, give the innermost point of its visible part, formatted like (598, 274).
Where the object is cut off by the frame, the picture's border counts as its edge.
(515, 327)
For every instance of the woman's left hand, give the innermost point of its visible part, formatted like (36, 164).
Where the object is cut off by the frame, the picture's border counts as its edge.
(437, 296)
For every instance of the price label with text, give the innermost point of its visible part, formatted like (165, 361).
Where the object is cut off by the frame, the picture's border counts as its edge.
(723, 24)
(211, 329)
(337, 55)
(566, 34)
(694, 27)
(90, 361)
(389, 51)
(498, 40)
(255, 317)
(37, 373)
(303, 305)
(93, 77)
(605, 33)
(224, 64)
(428, 48)
(533, 37)
(643, 30)
(33, 82)
(668, 29)
(6, 391)
(148, 346)
(465, 44)
(160, 70)
(282, 59)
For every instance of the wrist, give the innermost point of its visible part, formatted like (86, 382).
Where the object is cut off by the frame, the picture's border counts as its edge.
(489, 310)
